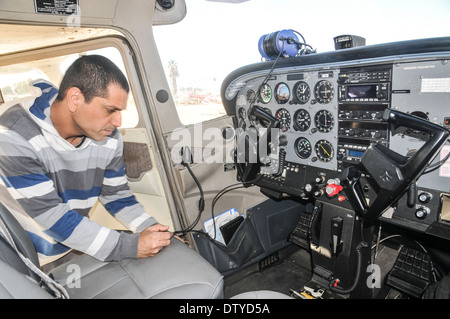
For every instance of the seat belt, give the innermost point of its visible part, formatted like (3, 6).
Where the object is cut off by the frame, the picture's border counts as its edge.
(55, 288)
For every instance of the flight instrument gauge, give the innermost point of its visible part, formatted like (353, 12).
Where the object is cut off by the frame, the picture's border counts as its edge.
(324, 121)
(251, 96)
(302, 92)
(303, 147)
(302, 120)
(324, 91)
(324, 150)
(282, 93)
(285, 119)
(265, 93)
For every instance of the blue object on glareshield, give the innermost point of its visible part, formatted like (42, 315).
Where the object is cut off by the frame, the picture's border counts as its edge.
(271, 44)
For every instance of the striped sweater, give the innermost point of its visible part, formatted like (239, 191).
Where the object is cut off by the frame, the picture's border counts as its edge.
(51, 185)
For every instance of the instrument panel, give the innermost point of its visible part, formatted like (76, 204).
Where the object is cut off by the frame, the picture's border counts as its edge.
(330, 112)
(305, 104)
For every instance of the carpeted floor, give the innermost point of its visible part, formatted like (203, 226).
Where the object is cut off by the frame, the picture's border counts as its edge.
(290, 271)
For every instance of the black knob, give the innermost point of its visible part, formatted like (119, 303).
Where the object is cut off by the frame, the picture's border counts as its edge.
(283, 140)
(382, 95)
(421, 213)
(424, 198)
(317, 193)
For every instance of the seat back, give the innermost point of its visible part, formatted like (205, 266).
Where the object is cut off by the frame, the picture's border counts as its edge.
(23, 244)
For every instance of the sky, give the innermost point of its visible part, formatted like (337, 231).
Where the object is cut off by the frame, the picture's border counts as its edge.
(216, 38)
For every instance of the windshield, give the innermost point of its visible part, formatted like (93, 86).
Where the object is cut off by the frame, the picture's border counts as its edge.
(216, 38)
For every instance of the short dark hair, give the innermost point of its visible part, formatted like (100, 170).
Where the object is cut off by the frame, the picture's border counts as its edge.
(92, 74)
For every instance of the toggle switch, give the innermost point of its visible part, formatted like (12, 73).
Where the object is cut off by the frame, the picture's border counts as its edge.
(336, 234)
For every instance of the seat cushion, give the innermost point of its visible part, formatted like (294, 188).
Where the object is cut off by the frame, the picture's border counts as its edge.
(175, 272)
(261, 294)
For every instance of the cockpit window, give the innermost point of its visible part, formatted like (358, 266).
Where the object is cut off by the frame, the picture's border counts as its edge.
(216, 38)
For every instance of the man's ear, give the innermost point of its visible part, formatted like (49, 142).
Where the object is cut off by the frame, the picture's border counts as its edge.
(74, 98)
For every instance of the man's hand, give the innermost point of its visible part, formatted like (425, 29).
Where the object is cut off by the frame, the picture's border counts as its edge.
(152, 240)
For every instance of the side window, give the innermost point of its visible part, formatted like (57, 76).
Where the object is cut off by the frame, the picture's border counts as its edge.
(193, 70)
(15, 79)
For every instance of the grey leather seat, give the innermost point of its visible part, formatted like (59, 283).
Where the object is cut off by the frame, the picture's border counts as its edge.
(262, 294)
(176, 272)
(16, 285)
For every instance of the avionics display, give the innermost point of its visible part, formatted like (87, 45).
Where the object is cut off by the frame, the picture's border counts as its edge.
(355, 153)
(362, 91)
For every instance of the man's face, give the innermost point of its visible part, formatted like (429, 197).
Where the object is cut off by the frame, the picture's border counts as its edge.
(102, 115)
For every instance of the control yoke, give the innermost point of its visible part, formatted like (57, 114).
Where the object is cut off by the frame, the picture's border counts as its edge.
(247, 154)
(249, 144)
(391, 171)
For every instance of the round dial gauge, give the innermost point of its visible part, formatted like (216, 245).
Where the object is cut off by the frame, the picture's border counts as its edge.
(303, 147)
(265, 93)
(324, 121)
(302, 92)
(285, 119)
(282, 93)
(324, 91)
(302, 120)
(251, 96)
(324, 150)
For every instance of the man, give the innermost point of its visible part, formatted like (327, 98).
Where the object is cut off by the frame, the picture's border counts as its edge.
(60, 152)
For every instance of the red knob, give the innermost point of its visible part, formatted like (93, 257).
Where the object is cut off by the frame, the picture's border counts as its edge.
(333, 189)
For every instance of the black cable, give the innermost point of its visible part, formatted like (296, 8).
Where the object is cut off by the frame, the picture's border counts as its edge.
(266, 79)
(301, 35)
(360, 246)
(201, 203)
(432, 167)
(202, 200)
(225, 190)
(304, 43)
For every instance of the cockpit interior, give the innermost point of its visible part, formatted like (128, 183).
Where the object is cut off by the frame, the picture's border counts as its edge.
(358, 138)
(330, 178)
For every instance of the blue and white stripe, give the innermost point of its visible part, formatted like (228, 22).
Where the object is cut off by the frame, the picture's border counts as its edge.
(55, 185)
